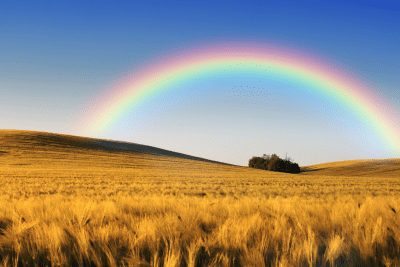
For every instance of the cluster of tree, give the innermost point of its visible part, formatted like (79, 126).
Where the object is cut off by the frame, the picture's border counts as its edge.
(274, 163)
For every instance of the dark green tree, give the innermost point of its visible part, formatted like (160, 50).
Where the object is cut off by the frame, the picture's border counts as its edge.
(274, 163)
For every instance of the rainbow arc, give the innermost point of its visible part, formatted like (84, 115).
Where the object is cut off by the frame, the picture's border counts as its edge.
(338, 85)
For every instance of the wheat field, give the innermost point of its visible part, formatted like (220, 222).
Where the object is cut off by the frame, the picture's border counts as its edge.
(73, 201)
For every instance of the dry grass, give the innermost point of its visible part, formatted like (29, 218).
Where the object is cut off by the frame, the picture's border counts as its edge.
(67, 201)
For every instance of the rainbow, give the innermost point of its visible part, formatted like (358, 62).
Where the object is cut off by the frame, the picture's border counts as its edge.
(159, 76)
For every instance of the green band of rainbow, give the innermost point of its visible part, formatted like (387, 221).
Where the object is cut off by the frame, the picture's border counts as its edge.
(341, 87)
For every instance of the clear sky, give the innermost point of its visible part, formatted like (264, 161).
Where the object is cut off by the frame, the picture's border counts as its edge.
(57, 57)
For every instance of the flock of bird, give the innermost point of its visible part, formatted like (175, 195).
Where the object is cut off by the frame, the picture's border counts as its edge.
(245, 95)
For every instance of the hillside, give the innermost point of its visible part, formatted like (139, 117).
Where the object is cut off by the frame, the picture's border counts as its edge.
(41, 150)
(361, 168)
(64, 161)
(42, 141)
(34, 163)
(74, 201)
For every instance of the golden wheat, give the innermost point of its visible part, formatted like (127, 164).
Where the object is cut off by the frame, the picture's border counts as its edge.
(79, 231)
(67, 204)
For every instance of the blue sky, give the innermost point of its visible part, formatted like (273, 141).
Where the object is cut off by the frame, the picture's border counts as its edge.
(56, 56)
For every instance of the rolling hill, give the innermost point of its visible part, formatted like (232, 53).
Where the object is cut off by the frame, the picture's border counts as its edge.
(43, 155)
(41, 150)
(42, 141)
(106, 203)
(370, 168)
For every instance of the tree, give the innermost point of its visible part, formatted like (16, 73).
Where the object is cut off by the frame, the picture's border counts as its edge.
(274, 163)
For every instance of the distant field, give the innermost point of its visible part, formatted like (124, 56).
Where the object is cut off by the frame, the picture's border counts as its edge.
(40, 163)
(72, 201)
(379, 168)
